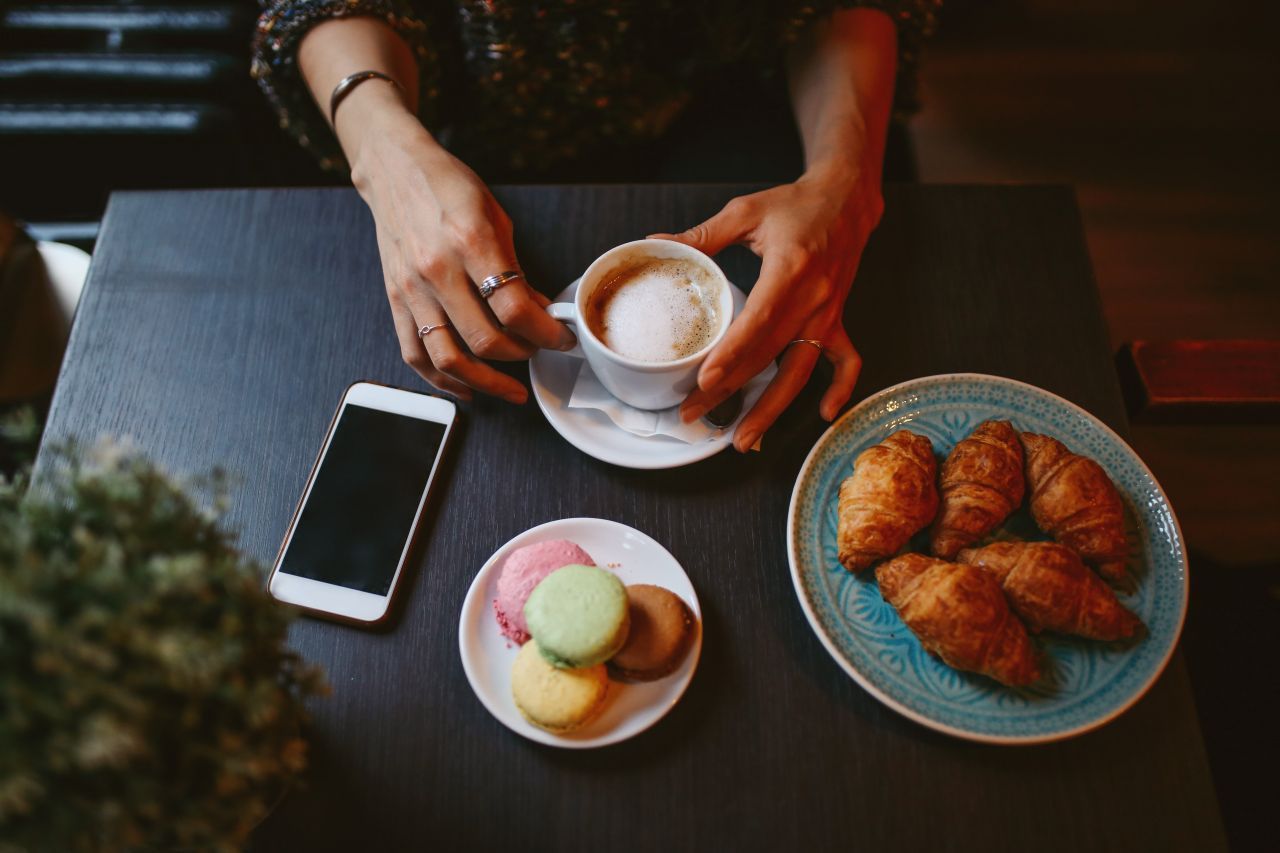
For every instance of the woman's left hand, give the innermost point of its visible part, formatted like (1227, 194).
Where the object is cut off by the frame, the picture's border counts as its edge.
(809, 236)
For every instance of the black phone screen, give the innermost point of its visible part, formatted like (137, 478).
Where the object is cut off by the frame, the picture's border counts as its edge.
(358, 517)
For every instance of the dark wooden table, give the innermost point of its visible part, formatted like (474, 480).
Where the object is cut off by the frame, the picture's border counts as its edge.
(220, 328)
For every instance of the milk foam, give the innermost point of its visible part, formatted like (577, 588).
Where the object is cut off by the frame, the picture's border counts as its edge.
(659, 309)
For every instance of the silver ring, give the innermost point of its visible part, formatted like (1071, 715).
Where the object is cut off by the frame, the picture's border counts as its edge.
(493, 282)
(428, 329)
(810, 342)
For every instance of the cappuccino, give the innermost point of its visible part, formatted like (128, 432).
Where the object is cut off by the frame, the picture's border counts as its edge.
(656, 309)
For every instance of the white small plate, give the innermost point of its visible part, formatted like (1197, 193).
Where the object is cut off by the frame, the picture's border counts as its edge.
(552, 375)
(487, 656)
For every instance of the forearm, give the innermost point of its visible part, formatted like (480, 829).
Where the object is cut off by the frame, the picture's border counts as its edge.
(344, 46)
(841, 81)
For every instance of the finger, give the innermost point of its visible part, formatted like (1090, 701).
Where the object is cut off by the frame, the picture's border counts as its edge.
(840, 352)
(518, 310)
(415, 354)
(731, 224)
(817, 327)
(838, 349)
(543, 301)
(456, 363)
(699, 402)
(794, 371)
(767, 323)
(488, 250)
(472, 319)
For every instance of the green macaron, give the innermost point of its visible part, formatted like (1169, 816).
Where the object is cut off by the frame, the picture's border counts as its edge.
(578, 615)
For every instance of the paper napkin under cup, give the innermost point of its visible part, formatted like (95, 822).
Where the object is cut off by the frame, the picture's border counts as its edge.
(588, 393)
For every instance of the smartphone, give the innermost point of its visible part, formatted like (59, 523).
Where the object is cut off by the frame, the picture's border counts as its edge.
(346, 547)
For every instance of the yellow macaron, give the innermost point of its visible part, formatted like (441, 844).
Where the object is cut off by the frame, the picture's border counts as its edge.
(557, 700)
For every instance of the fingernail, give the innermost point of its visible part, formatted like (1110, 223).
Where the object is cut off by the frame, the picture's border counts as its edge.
(568, 340)
(691, 413)
(749, 439)
(517, 397)
(711, 378)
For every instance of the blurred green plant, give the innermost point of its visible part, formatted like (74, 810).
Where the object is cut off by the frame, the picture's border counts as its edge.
(147, 698)
(19, 437)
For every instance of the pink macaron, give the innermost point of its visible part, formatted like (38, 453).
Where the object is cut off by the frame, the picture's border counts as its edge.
(524, 569)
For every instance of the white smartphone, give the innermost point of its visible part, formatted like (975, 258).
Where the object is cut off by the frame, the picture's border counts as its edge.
(346, 547)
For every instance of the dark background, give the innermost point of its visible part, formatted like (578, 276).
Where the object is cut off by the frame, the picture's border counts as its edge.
(96, 96)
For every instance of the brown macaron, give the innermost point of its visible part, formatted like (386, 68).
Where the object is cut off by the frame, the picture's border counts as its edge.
(661, 628)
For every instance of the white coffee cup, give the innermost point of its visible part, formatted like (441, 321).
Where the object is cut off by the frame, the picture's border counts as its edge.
(648, 385)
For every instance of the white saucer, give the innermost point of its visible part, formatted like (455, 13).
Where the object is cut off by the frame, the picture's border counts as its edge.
(552, 375)
(487, 656)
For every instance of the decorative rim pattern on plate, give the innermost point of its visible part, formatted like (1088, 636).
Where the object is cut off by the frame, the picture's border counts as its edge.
(1089, 683)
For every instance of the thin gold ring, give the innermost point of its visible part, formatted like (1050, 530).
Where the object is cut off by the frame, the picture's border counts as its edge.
(809, 341)
(428, 329)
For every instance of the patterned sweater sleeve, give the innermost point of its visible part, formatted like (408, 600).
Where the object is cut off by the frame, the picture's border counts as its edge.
(280, 30)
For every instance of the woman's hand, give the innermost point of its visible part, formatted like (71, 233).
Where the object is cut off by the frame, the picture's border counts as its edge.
(809, 236)
(440, 232)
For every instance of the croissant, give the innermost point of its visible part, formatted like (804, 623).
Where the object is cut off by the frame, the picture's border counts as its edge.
(1052, 590)
(889, 498)
(960, 614)
(1074, 501)
(981, 484)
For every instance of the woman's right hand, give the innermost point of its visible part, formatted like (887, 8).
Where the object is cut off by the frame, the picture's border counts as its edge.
(440, 232)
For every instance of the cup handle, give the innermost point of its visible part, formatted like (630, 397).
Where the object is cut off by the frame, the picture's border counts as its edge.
(567, 312)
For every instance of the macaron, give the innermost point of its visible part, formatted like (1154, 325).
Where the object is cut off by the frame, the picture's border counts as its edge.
(661, 630)
(557, 700)
(578, 615)
(523, 570)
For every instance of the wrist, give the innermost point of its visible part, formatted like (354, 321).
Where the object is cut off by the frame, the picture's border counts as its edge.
(842, 157)
(373, 112)
(844, 173)
(852, 179)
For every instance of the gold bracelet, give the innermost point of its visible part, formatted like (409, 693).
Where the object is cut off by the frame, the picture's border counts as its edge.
(346, 84)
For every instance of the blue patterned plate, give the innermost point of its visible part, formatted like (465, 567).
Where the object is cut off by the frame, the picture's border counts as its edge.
(1087, 683)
